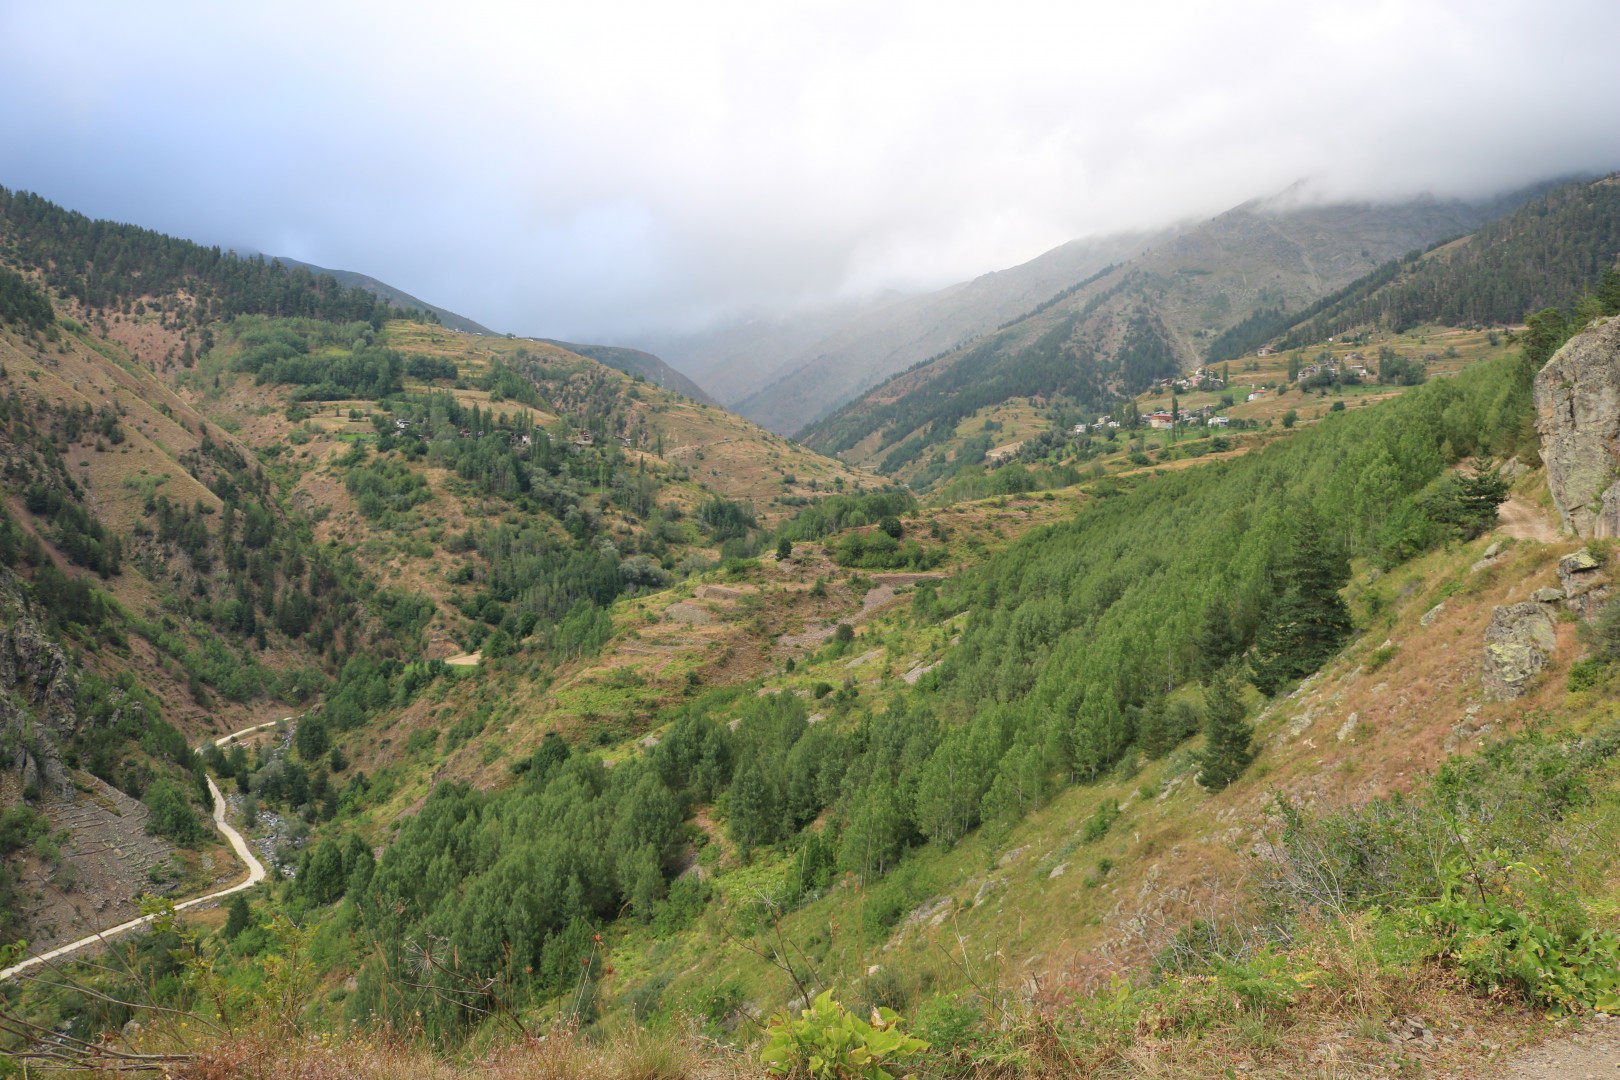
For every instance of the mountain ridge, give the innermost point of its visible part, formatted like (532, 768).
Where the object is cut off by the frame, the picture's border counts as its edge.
(797, 371)
(638, 362)
(1152, 316)
(397, 297)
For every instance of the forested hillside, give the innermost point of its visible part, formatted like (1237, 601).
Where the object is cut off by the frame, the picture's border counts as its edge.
(1540, 256)
(1189, 300)
(109, 266)
(397, 297)
(601, 725)
(205, 498)
(645, 364)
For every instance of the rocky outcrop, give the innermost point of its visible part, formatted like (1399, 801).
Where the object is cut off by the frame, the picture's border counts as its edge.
(37, 696)
(1577, 399)
(1586, 586)
(1518, 644)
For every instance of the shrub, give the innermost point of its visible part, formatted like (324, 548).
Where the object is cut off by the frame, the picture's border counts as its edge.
(830, 1043)
(1097, 825)
(171, 815)
(20, 826)
(1585, 674)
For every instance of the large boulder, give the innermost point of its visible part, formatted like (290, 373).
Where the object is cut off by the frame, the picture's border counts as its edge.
(1586, 586)
(1518, 644)
(1577, 399)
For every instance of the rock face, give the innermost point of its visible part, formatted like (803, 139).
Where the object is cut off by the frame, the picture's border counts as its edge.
(1586, 586)
(1577, 399)
(37, 697)
(1518, 644)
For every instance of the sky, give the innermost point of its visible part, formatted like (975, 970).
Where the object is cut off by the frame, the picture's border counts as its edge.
(605, 169)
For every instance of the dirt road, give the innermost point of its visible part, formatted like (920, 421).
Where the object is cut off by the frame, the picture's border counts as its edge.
(1524, 520)
(238, 845)
(1593, 1052)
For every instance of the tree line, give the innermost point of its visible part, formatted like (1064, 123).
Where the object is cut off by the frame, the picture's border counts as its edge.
(104, 264)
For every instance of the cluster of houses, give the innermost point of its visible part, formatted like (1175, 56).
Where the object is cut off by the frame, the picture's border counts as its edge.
(520, 439)
(1201, 379)
(1161, 420)
(1164, 420)
(585, 438)
(1350, 366)
(402, 426)
(1102, 423)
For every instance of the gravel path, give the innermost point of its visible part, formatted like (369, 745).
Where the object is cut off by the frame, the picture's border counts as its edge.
(1593, 1052)
(238, 844)
(1524, 520)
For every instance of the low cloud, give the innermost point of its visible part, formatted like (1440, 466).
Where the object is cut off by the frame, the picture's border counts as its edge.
(639, 168)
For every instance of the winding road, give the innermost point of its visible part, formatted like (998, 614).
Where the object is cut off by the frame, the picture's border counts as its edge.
(238, 844)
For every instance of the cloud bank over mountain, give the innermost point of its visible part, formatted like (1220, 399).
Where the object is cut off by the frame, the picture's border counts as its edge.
(596, 171)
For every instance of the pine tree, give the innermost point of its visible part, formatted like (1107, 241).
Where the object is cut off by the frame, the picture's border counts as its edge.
(1226, 750)
(1215, 641)
(238, 918)
(751, 809)
(1308, 620)
(1608, 291)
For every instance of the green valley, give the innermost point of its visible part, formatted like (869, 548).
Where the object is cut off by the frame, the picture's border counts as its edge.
(605, 732)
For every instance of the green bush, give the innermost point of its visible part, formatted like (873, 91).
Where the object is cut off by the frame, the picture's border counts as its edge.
(171, 815)
(1498, 945)
(829, 1043)
(1097, 825)
(20, 826)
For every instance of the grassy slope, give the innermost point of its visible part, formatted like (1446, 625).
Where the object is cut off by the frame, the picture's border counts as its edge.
(1035, 911)
(1050, 916)
(1031, 908)
(164, 408)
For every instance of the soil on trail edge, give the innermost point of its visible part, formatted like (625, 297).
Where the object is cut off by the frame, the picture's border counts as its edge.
(1523, 520)
(1592, 1052)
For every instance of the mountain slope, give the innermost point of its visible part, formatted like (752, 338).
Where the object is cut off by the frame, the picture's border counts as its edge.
(1103, 775)
(397, 297)
(738, 359)
(1540, 255)
(877, 343)
(1260, 254)
(227, 514)
(636, 362)
(1147, 319)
